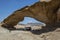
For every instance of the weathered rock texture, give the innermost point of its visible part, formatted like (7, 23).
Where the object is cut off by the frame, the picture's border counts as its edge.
(42, 11)
(29, 35)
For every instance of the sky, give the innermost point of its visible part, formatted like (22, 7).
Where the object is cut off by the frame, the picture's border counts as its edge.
(7, 7)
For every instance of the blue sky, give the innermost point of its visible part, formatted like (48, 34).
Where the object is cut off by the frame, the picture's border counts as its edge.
(7, 7)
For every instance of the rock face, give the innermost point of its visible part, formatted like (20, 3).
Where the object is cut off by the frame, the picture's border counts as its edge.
(29, 35)
(42, 11)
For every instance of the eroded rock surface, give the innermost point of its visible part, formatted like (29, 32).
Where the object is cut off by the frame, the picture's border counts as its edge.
(28, 35)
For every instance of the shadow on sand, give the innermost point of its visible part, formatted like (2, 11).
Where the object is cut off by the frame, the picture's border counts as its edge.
(46, 29)
(43, 30)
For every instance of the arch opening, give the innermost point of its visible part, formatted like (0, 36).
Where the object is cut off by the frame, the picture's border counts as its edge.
(30, 20)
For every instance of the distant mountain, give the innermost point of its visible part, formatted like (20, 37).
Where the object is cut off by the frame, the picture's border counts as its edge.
(36, 24)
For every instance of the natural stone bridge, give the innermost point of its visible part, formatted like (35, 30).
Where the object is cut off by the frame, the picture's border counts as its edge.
(46, 12)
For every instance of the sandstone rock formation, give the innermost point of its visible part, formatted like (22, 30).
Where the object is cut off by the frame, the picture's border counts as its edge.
(28, 35)
(42, 11)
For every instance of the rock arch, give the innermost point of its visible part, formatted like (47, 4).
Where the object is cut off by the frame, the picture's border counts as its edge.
(42, 11)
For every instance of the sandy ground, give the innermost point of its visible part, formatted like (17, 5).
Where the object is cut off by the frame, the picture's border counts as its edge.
(29, 35)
